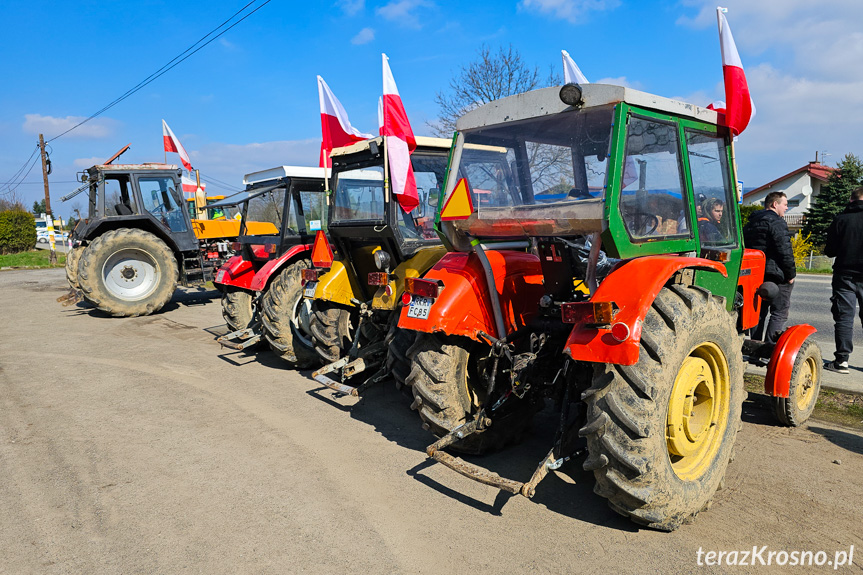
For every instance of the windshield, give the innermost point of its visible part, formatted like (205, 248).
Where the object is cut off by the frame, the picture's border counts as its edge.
(429, 171)
(268, 207)
(360, 194)
(538, 177)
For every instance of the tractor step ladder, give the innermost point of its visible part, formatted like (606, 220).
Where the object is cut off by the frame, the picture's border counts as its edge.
(240, 339)
(350, 368)
(196, 271)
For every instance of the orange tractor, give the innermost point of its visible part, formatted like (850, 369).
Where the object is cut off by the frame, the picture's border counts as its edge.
(578, 272)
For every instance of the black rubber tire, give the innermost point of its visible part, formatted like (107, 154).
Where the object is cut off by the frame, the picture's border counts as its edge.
(237, 308)
(788, 411)
(72, 260)
(399, 341)
(446, 396)
(96, 255)
(281, 328)
(628, 406)
(332, 330)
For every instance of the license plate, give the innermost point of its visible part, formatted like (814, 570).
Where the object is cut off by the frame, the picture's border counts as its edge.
(309, 291)
(220, 276)
(420, 307)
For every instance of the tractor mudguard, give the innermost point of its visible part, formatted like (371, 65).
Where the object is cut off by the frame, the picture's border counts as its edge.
(338, 286)
(778, 380)
(463, 306)
(632, 287)
(262, 278)
(236, 272)
(750, 279)
(412, 268)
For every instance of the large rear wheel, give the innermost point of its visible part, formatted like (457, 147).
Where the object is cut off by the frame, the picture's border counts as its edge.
(72, 260)
(127, 273)
(447, 393)
(399, 341)
(660, 433)
(805, 386)
(283, 304)
(332, 330)
(237, 308)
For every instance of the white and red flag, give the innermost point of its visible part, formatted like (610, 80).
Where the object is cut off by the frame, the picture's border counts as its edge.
(336, 129)
(190, 185)
(739, 108)
(571, 72)
(400, 142)
(172, 144)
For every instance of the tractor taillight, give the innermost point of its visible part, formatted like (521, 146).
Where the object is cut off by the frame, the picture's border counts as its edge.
(406, 298)
(620, 332)
(592, 313)
(272, 248)
(379, 278)
(424, 288)
(310, 275)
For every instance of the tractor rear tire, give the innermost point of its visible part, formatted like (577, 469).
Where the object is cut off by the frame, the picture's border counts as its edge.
(127, 273)
(281, 304)
(72, 260)
(805, 386)
(332, 330)
(237, 308)
(398, 365)
(660, 433)
(446, 394)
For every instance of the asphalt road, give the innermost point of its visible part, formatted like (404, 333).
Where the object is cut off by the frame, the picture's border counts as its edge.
(138, 446)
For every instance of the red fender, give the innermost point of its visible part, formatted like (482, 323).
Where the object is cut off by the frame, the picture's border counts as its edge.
(464, 307)
(632, 286)
(750, 279)
(236, 272)
(778, 380)
(270, 268)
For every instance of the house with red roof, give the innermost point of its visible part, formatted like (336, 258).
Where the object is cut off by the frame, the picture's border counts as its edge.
(802, 187)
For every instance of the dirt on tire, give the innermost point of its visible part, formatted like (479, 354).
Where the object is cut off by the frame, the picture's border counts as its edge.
(331, 330)
(281, 328)
(237, 308)
(72, 260)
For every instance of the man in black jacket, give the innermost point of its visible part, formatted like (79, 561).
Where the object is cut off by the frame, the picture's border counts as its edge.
(845, 243)
(768, 232)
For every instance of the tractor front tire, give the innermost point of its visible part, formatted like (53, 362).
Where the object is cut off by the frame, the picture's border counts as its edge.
(446, 395)
(237, 308)
(127, 273)
(72, 260)
(805, 386)
(332, 330)
(281, 303)
(660, 433)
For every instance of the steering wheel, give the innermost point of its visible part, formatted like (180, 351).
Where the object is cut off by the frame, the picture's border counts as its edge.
(642, 223)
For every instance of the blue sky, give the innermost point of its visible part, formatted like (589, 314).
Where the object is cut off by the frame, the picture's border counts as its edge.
(248, 101)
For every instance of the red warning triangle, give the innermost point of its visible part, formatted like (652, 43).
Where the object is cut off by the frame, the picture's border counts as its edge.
(459, 205)
(322, 253)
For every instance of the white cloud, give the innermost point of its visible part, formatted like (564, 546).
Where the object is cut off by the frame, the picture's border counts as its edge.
(51, 126)
(403, 12)
(351, 7)
(227, 45)
(621, 81)
(574, 11)
(364, 36)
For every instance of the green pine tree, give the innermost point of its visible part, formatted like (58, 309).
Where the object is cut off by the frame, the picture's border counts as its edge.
(833, 198)
(39, 208)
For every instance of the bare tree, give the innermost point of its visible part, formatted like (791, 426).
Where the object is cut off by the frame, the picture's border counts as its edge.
(489, 77)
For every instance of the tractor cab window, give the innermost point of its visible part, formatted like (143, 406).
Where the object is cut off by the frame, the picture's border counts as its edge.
(536, 177)
(359, 195)
(268, 207)
(652, 201)
(712, 190)
(158, 198)
(118, 198)
(315, 210)
(429, 173)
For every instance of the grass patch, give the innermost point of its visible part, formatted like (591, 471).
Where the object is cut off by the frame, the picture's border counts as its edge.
(844, 409)
(822, 271)
(33, 259)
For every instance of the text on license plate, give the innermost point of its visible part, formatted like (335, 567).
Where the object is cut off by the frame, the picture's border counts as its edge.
(220, 276)
(309, 291)
(420, 307)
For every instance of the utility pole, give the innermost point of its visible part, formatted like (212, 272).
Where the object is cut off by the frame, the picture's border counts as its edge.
(49, 216)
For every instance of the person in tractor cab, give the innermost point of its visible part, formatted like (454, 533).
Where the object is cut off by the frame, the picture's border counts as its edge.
(768, 232)
(710, 220)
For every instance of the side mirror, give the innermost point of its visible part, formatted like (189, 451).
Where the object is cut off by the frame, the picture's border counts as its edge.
(434, 196)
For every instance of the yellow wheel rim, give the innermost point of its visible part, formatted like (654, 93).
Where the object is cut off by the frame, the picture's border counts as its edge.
(805, 392)
(698, 411)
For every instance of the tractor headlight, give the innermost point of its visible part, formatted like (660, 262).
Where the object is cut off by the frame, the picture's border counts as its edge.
(382, 260)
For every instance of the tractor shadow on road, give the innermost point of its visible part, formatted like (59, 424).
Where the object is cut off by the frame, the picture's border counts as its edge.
(758, 409)
(847, 440)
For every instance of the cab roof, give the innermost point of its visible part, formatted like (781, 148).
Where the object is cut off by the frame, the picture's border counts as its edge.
(422, 142)
(128, 167)
(284, 172)
(546, 101)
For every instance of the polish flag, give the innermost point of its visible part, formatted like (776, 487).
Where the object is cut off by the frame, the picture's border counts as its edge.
(571, 72)
(400, 142)
(739, 108)
(190, 185)
(172, 144)
(336, 129)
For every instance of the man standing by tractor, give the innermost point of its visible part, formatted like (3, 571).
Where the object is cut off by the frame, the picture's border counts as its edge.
(844, 238)
(768, 232)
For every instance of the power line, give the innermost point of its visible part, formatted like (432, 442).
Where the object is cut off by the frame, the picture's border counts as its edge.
(15, 176)
(11, 188)
(188, 52)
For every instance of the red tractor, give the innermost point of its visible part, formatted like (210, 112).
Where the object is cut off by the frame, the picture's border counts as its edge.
(579, 271)
(261, 285)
